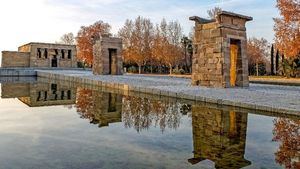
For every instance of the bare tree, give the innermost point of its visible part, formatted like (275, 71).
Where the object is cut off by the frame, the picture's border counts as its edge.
(257, 52)
(212, 13)
(67, 38)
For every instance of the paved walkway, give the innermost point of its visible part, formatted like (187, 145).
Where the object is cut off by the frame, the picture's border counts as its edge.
(273, 98)
(253, 79)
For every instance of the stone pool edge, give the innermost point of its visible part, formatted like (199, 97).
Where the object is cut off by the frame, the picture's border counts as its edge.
(149, 90)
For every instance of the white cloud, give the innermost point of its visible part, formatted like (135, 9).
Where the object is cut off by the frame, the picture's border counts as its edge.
(46, 20)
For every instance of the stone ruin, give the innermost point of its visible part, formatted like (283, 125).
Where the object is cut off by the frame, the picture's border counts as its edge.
(220, 51)
(107, 57)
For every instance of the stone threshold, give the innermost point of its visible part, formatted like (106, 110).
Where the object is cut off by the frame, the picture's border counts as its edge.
(77, 78)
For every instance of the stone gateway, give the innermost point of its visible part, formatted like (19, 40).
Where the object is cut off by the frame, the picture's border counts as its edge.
(220, 51)
(107, 58)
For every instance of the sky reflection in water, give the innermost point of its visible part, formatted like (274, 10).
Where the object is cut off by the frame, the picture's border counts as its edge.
(63, 125)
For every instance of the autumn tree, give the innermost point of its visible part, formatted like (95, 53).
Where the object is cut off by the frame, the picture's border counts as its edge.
(137, 37)
(287, 28)
(170, 50)
(67, 39)
(158, 47)
(257, 53)
(126, 34)
(85, 38)
(171, 57)
(145, 44)
(84, 103)
(286, 132)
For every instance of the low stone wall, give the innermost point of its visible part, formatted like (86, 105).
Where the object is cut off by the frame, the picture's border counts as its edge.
(28, 71)
(17, 72)
(149, 90)
(15, 59)
(17, 79)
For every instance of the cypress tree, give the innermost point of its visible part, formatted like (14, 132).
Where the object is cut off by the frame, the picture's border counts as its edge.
(272, 60)
(277, 61)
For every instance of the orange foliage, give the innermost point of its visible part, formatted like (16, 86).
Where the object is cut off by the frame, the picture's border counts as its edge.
(85, 38)
(137, 37)
(84, 103)
(287, 131)
(145, 44)
(168, 36)
(287, 28)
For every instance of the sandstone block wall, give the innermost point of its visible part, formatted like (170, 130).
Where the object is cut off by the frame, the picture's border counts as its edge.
(15, 59)
(107, 59)
(212, 50)
(52, 51)
(41, 55)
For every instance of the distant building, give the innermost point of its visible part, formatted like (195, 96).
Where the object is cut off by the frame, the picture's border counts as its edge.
(41, 55)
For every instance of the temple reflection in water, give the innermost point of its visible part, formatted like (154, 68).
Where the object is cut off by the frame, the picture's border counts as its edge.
(99, 107)
(218, 132)
(40, 94)
(220, 136)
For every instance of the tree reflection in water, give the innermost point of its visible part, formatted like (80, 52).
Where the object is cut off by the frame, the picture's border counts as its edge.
(287, 132)
(218, 135)
(139, 113)
(84, 103)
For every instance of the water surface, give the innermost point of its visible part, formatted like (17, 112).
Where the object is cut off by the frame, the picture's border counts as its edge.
(53, 124)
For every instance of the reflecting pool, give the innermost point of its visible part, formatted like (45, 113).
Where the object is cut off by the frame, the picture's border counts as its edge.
(56, 124)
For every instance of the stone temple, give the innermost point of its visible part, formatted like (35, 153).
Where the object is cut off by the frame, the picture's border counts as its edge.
(220, 51)
(107, 58)
(36, 54)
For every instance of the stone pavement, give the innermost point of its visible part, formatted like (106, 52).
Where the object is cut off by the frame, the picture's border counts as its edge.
(273, 98)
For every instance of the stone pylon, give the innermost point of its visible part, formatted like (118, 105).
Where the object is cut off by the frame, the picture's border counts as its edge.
(220, 51)
(107, 59)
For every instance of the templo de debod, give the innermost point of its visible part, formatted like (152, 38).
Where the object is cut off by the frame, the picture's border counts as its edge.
(220, 51)
(41, 55)
(107, 58)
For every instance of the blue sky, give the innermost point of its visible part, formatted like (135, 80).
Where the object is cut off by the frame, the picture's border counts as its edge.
(46, 20)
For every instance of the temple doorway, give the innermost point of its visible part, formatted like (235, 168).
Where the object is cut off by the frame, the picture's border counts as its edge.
(235, 62)
(54, 61)
(112, 61)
